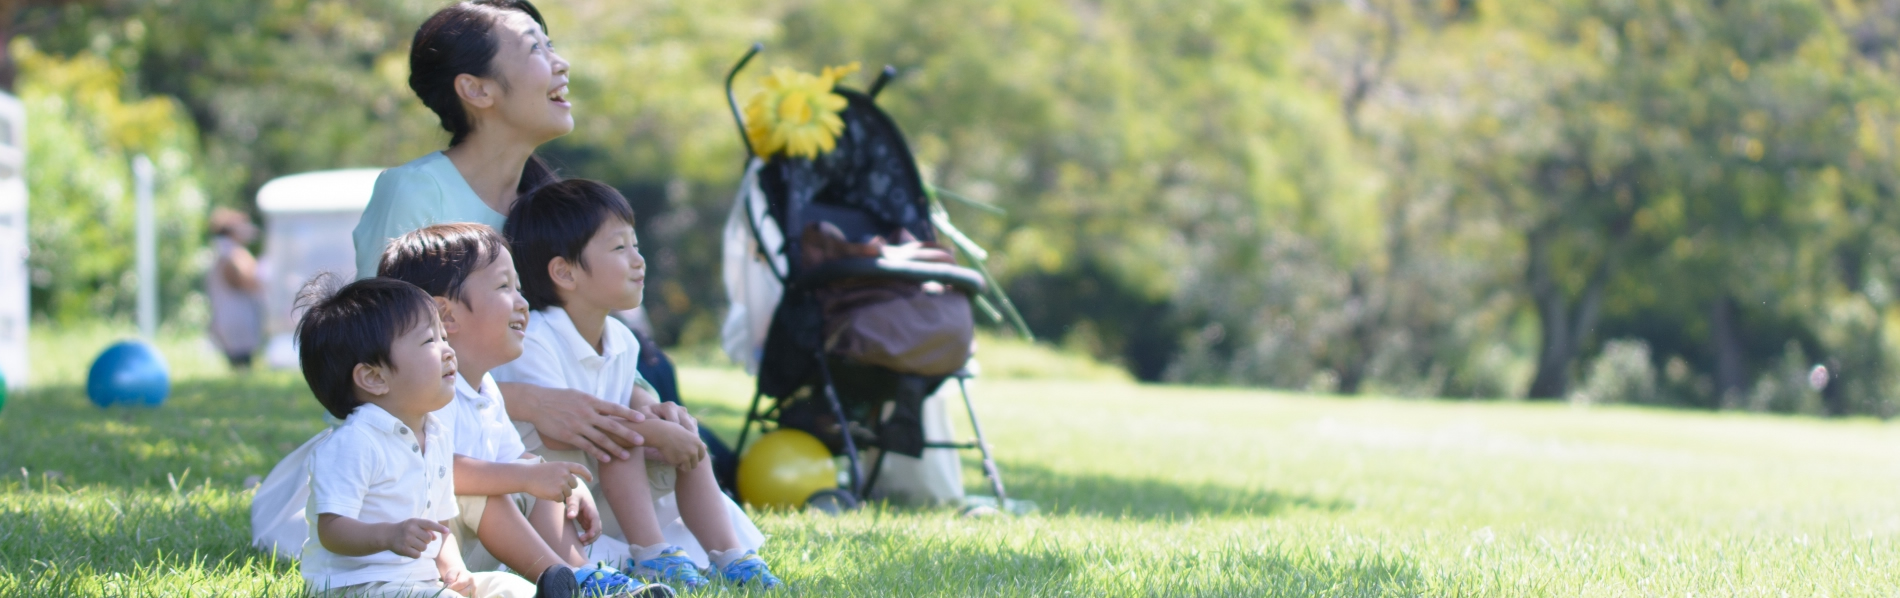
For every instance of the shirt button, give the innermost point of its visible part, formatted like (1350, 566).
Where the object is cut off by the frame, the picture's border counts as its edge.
(415, 448)
(403, 430)
(441, 471)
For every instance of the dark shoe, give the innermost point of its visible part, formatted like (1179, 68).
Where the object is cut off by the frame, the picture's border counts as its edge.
(557, 582)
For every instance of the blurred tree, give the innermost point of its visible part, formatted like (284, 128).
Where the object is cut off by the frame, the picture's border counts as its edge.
(85, 130)
(10, 11)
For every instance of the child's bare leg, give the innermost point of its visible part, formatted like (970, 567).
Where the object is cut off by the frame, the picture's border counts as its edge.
(704, 508)
(507, 535)
(549, 519)
(624, 484)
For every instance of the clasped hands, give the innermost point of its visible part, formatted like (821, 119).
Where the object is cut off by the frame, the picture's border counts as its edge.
(569, 419)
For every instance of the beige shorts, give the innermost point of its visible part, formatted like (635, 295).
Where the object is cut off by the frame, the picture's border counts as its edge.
(662, 477)
(467, 528)
(489, 584)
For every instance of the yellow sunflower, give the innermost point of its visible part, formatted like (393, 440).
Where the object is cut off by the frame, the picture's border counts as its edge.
(796, 113)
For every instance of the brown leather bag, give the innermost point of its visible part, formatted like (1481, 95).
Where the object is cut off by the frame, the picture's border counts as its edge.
(925, 329)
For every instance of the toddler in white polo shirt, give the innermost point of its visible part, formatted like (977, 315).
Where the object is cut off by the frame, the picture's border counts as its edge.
(381, 486)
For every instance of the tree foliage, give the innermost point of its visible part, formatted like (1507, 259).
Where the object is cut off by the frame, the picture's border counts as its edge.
(83, 131)
(1420, 197)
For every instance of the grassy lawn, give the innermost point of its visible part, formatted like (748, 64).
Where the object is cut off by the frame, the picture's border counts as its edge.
(1144, 490)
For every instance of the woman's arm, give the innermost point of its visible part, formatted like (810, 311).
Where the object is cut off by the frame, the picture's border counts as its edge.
(575, 418)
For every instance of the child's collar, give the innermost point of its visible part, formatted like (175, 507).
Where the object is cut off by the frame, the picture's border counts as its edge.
(562, 323)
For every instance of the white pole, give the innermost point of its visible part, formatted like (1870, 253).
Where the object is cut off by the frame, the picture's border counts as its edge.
(147, 248)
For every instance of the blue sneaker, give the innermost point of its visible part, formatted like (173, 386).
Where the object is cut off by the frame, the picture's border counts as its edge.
(749, 568)
(671, 566)
(605, 582)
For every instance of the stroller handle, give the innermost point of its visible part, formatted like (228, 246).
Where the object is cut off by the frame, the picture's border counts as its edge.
(963, 279)
(732, 101)
(883, 77)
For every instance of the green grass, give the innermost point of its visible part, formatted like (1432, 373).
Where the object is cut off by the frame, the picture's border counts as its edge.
(1144, 490)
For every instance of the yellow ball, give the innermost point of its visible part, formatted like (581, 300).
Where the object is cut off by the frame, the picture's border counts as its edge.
(784, 468)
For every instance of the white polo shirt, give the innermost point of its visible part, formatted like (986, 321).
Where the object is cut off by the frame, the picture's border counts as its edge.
(478, 419)
(371, 469)
(555, 356)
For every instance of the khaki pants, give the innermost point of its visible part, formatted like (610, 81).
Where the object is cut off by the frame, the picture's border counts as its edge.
(661, 476)
(489, 584)
(467, 528)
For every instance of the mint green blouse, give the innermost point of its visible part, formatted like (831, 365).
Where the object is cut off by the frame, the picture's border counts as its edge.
(426, 191)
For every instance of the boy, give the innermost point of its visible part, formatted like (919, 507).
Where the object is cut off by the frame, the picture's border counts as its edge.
(574, 247)
(380, 486)
(466, 269)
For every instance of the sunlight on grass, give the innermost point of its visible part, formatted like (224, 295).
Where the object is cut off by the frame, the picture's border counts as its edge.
(1144, 490)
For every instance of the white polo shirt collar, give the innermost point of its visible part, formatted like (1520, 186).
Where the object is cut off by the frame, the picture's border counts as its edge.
(380, 420)
(563, 327)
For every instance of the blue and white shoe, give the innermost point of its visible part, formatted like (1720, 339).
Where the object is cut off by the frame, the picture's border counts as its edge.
(672, 566)
(749, 568)
(605, 582)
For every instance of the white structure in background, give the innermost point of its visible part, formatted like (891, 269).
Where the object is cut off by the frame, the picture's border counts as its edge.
(307, 223)
(142, 174)
(14, 278)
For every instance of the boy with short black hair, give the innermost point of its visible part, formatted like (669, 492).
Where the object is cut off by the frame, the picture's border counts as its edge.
(574, 246)
(381, 489)
(467, 271)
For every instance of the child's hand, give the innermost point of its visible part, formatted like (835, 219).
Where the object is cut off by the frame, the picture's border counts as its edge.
(554, 480)
(581, 509)
(410, 538)
(678, 447)
(456, 578)
(675, 413)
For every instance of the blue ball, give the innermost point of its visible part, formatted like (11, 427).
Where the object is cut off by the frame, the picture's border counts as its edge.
(128, 373)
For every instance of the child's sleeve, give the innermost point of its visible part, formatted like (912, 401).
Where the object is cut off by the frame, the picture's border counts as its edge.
(341, 471)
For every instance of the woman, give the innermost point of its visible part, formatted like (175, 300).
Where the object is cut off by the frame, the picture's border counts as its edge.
(488, 71)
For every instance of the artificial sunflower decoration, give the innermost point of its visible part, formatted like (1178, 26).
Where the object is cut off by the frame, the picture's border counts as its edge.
(796, 113)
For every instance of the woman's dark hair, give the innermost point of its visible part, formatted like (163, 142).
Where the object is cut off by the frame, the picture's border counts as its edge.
(439, 258)
(557, 221)
(355, 324)
(461, 40)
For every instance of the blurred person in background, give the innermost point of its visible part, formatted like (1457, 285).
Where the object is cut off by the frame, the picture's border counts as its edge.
(232, 288)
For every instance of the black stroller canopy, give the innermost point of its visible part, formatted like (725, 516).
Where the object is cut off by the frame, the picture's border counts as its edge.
(870, 175)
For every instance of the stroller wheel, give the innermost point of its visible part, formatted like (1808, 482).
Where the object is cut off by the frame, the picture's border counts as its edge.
(832, 501)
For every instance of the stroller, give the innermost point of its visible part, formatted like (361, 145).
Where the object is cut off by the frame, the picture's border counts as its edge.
(819, 225)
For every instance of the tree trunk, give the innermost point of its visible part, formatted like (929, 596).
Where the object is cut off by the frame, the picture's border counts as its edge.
(1731, 373)
(1358, 353)
(1564, 326)
(1553, 357)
